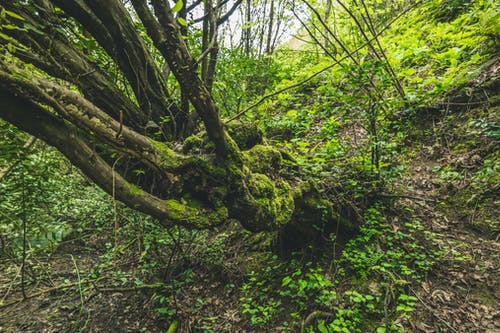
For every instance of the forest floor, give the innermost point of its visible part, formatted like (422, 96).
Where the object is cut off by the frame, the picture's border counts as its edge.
(462, 294)
(444, 186)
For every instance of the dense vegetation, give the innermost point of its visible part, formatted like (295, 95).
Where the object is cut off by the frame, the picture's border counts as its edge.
(190, 166)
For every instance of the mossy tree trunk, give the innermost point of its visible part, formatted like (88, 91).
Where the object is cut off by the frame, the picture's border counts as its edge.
(86, 78)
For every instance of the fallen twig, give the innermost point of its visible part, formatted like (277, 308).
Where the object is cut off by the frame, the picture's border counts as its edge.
(135, 288)
(49, 290)
(407, 196)
(79, 282)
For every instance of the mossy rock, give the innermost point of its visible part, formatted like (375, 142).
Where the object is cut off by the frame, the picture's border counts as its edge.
(274, 198)
(193, 144)
(246, 135)
(263, 159)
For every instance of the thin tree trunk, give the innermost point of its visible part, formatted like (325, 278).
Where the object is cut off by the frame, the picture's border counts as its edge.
(247, 29)
(270, 29)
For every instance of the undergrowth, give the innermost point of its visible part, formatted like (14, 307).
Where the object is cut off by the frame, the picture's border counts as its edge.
(366, 288)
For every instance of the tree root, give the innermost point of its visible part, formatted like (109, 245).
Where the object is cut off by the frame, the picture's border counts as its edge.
(313, 315)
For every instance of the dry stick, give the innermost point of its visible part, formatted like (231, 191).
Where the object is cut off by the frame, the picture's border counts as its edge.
(263, 98)
(239, 114)
(79, 282)
(344, 47)
(387, 300)
(23, 264)
(313, 315)
(407, 196)
(327, 52)
(10, 286)
(327, 28)
(370, 45)
(68, 285)
(115, 213)
(62, 286)
(135, 288)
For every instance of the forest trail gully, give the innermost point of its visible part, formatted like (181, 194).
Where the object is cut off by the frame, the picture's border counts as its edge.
(462, 293)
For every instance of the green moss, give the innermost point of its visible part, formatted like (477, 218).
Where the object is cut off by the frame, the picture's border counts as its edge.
(260, 185)
(263, 159)
(169, 157)
(275, 199)
(195, 217)
(193, 143)
(133, 189)
(235, 156)
(246, 135)
(285, 205)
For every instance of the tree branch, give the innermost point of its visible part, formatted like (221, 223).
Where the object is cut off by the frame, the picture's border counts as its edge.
(53, 53)
(174, 50)
(111, 25)
(35, 120)
(78, 110)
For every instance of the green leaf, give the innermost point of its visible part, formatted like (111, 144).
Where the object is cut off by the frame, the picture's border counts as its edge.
(11, 48)
(381, 329)
(286, 281)
(178, 6)
(6, 37)
(12, 14)
(182, 21)
(164, 311)
(322, 328)
(33, 28)
(9, 26)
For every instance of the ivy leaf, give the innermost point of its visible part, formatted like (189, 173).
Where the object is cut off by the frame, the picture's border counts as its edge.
(178, 6)
(322, 328)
